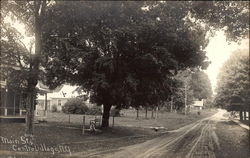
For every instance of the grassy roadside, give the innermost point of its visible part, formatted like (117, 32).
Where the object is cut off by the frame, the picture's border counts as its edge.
(234, 140)
(127, 131)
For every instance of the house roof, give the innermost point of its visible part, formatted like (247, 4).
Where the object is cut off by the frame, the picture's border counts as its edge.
(67, 91)
(57, 89)
(42, 88)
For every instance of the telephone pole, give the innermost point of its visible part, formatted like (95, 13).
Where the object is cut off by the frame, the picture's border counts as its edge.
(185, 98)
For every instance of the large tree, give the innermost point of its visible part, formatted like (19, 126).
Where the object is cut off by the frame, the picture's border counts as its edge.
(233, 83)
(120, 52)
(201, 85)
(31, 14)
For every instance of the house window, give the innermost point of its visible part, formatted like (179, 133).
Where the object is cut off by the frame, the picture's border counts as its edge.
(59, 102)
(41, 103)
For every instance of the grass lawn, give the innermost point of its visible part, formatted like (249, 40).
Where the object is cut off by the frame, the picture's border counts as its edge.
(166, 119)
(234, 140)
(58, 132)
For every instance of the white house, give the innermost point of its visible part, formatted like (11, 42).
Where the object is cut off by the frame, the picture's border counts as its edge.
(56, 98)
(59, 98)
(198, 104)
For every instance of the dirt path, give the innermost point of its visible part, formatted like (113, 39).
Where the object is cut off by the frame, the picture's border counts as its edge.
(197, 140)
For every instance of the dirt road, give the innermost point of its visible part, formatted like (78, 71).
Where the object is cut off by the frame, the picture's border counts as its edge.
(197, 140)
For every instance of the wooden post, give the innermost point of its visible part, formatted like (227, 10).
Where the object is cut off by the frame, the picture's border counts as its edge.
(171, 104)
(185, 98)
(46, 104)
(156, 112)
(5, 111)
(241, 117)
(69, 118)
(14, 110)
(245, 115)
(20, 103)
(100, 119)
(5, 102)
(137, 113)
(113, 120)
(83, 124)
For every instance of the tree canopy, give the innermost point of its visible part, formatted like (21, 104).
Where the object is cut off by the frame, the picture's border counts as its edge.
(231, 16)
(233, 83)
(120, 52)
(201, 86)
(14, 57)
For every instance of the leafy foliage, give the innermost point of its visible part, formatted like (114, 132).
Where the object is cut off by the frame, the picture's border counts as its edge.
(233, 82)
(231, 16)
(14, 58)
(94, 110)
(124, 51)
(75, 106)
(196, 84)
(180, 86)
(120, 52)
(201, 86)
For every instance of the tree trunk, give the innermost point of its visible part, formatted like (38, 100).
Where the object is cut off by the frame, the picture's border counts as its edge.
(137, 113)
(34, 66)
(248, 115)
(105, 116)
(152, 114)
(30, 114)
(146, 114)
(245, 115)
(171, 104)
(241, 117)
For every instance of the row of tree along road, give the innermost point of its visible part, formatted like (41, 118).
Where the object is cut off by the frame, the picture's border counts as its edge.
(123, 53)
(233, 92)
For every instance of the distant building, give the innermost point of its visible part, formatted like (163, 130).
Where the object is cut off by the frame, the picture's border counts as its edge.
(198, 104)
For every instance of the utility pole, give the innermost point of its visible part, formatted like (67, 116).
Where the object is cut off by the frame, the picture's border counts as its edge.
(171, 103)
(172, 97)
(185, 98)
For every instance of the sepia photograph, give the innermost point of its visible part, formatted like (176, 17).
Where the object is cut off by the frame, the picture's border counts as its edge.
(124, 79)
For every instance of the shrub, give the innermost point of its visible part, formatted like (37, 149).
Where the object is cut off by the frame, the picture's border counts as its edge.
(115, 112)
(75, 106)
(95, 110)
(54, 108)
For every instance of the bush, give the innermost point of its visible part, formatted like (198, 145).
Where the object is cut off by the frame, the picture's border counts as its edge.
(115, 112)
(54, 108)
(95, 110)
(75, 106)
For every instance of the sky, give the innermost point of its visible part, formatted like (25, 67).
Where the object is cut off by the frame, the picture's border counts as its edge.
(218, 51)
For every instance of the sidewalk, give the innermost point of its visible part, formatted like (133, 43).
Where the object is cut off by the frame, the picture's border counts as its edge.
(241, 124)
